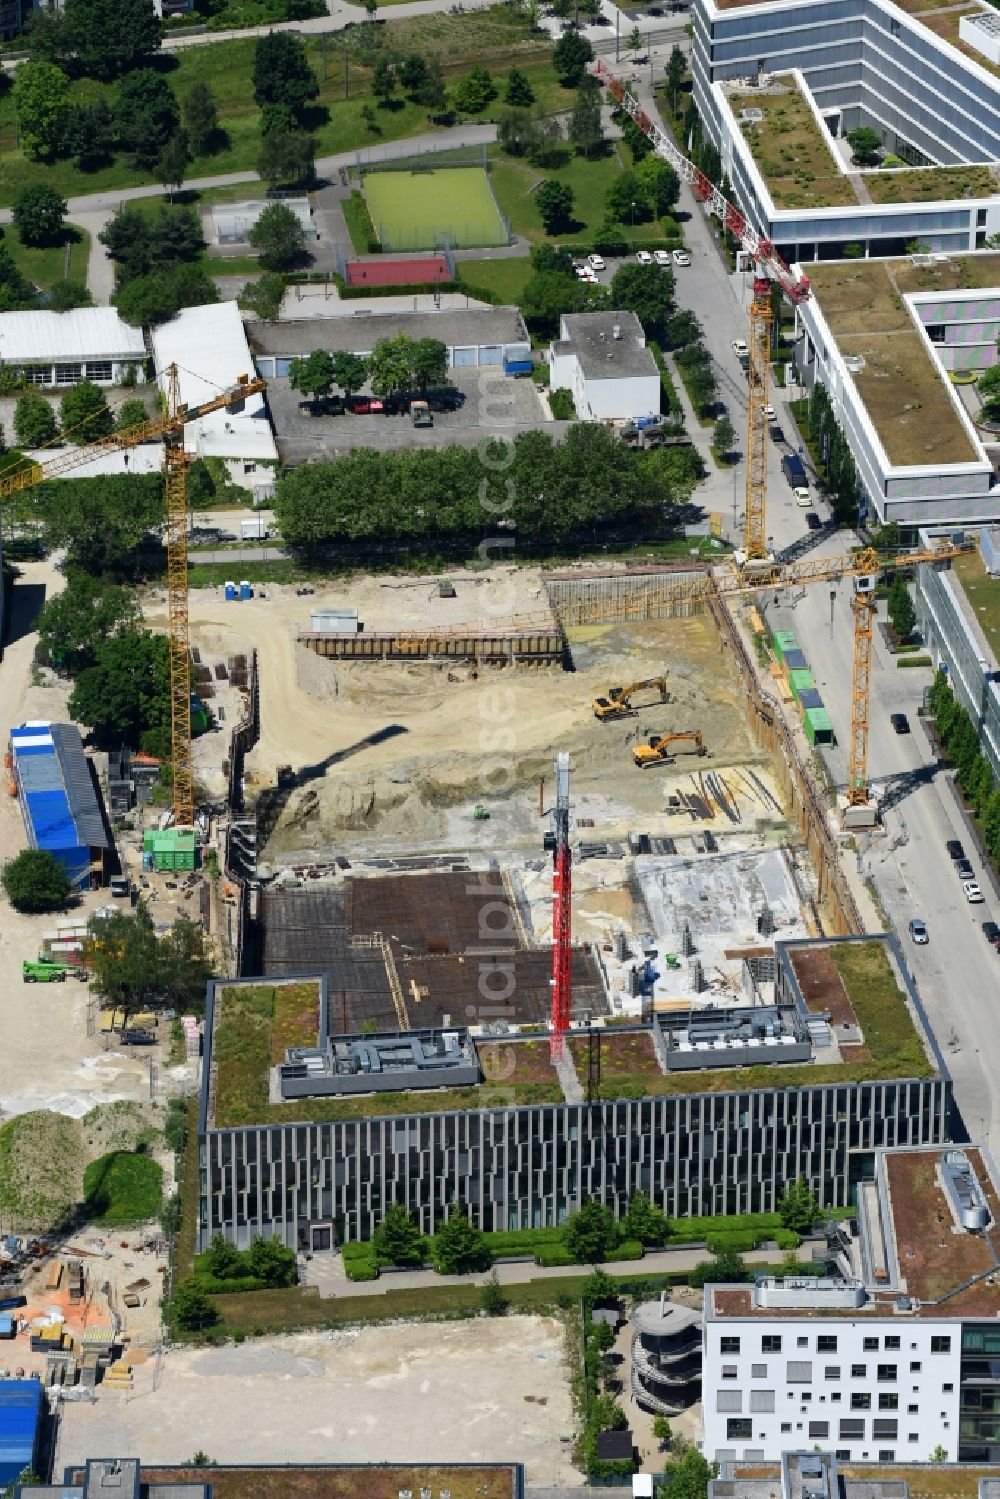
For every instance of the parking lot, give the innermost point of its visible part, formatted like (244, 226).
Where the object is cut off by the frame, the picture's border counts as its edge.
(495, 405)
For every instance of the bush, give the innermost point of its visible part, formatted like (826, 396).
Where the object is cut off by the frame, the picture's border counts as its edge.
(628, 1249)
(914, 661)
(122, 1187)
(562, 405)
(732, 1243)
(359, 1262)
(35, 881)
(551, 1257)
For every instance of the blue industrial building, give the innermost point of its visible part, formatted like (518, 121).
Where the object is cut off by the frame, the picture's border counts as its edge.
(22, 1406)
(58, 799)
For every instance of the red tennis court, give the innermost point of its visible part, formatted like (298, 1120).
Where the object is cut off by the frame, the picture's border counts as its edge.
(384, 271)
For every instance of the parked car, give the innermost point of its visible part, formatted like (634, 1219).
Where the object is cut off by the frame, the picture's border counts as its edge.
(991, 932)
(954, 849)
(973, 894)
(770, 413)
(802, 497)
(644, 257)
(900, 723)
(361, 405)
(445, 399)
(662, 257)
(813, 522)
(655, 10)
(918, 932)
(587, 273)
(681, 257)
(596, 262)
(776, 432)
(741, 348)
(964, 870)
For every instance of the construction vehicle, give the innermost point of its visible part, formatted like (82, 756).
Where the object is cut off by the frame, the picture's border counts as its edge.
(42, 971)
(169, 426)
(657, 751)
(770, 270)
(618, 703)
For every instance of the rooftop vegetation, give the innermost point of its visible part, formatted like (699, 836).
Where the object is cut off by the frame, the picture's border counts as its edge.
(791, 150)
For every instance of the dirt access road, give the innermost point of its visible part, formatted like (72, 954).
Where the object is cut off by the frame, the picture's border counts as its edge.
(487, 1390)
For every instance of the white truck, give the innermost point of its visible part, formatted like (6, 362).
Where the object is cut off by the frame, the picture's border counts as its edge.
(255, 529)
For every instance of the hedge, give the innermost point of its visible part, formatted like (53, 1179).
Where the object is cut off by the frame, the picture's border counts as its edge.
(212, 1286)
(914, 661)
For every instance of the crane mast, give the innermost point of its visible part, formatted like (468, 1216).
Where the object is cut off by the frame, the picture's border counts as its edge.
(758, 374)
(562, 922)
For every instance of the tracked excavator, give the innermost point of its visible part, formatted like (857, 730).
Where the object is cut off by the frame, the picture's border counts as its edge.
(657, 751)
(618, 703)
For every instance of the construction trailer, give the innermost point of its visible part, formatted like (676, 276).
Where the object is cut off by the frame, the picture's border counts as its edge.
(50, 776)
(22, 1409)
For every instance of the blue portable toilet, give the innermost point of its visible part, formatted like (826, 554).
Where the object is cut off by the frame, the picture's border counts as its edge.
(246, 592)
(230, 592)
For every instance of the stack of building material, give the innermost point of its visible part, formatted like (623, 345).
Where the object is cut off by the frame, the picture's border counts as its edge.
(119, 1376)
(90, 1366)
(50, 1339)
(74, 1280)
(192, 1035)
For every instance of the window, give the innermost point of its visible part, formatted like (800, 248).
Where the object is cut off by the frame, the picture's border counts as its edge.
(826, 1344)
(914, 1366)
(761, 1400)
(843, 1454)
(886, 1456)
(39, 374)
(729, 1371)
(888, 1343)
(729, 1400)
(739, 1429)
(831, 1371)
(935, 332)
(888, 1402)
(786, 1426)
(887, 1373)
(806, 1395)
(819, 1428)
(861, 1401)
(758, 1371)
(802, 1342)
(859, 1371)
(885, 1429)
(852, 1431)
(68, 374)
(769, 1343)
(980, 218)
(947, 1388)
(798, 1371)
(99, 369)
(870, 1345)
(729, 1345)
(913, 1410)
(836, 1397)
(941, 1344)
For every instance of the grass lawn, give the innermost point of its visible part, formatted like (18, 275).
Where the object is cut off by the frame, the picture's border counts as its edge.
(983, 594)
(494, 38)
(515, 184)
(122, 1187)
(48, 265)
(418, 210)
(359, 223)
(505, 279)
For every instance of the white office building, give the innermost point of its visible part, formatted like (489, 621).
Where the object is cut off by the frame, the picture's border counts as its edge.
(59, 348)
(893, 1355)
(602, 359)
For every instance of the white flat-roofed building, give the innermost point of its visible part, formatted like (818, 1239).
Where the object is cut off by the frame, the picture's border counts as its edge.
(60, 348)
(602, 359)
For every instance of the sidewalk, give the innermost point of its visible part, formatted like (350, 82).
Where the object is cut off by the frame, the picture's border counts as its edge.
(326, 1272)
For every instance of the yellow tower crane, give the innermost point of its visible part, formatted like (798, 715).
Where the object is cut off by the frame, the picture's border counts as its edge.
(758, 372)
(169, 426)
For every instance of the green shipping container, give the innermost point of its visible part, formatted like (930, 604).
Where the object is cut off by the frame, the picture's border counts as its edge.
(819, 729)
(801, 681)
(175, 848)
(784, 640)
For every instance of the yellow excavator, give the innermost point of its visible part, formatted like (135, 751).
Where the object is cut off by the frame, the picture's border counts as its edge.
(618, 703)
(657, 751)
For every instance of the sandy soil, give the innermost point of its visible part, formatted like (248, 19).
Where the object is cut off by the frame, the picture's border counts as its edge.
(405, 752)
(486, 1390)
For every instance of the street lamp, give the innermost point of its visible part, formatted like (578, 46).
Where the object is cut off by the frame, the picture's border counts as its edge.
(632, 213)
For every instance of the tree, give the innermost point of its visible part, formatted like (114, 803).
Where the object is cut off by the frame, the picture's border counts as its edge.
(69, 292)
(389, 365)
(271, 1261)
(901, 610)
(157, 297)
(287, 159)
(201, 119)
(73, 623)
(598, 1286)
(723, 437)
(111, 37)
(45, 37)
(313, 375)
(100, 522)
(493, 1298)
(223, 1260)
(264, 296)
(555, 206)
(90, 135)
(626, 199)
(281, 71)
(646, 290)
(384, 81)
(433, 94)
(40, 215)
(15, 290)
(645, 1221)
(190, 1307)
(171, 164)
(634, 43)
(865, 143)
(146, 115)
(518, 91)
(397, 1240)
(126, 693)
(660, 183)
(131, 414)
(675, 71)
(474, 91)
(662, 1431)
(413, 75)
(35, 881)
(988, 386)
(689, 1478)
(584, 128)
(799, 1207)
(939, 1455)
(83, 413)
(428, 363)
(350, 371)
(40, 100)
(459, 1246)
(278, 119)
(570, 56)
(34, 421)
(590, 1233)
(279, 237)
(726, 1268)
(131, 967)
(516, 131)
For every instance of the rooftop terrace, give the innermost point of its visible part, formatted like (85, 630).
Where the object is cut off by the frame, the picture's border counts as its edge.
(790, 149)
(904, 392)
(927, 1481)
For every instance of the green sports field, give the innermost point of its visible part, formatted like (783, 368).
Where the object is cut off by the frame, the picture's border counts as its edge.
(422, 210)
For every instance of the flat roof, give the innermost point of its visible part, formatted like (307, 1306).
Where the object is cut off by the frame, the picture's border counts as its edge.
(591, 337)
(360, 332)
(790, 149)
(903, 389)
(54, 774)
(860, 1480)
(86, 333)
(368, 1481)
(210, 349)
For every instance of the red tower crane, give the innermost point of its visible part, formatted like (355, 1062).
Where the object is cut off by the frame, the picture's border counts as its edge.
(562, 916)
